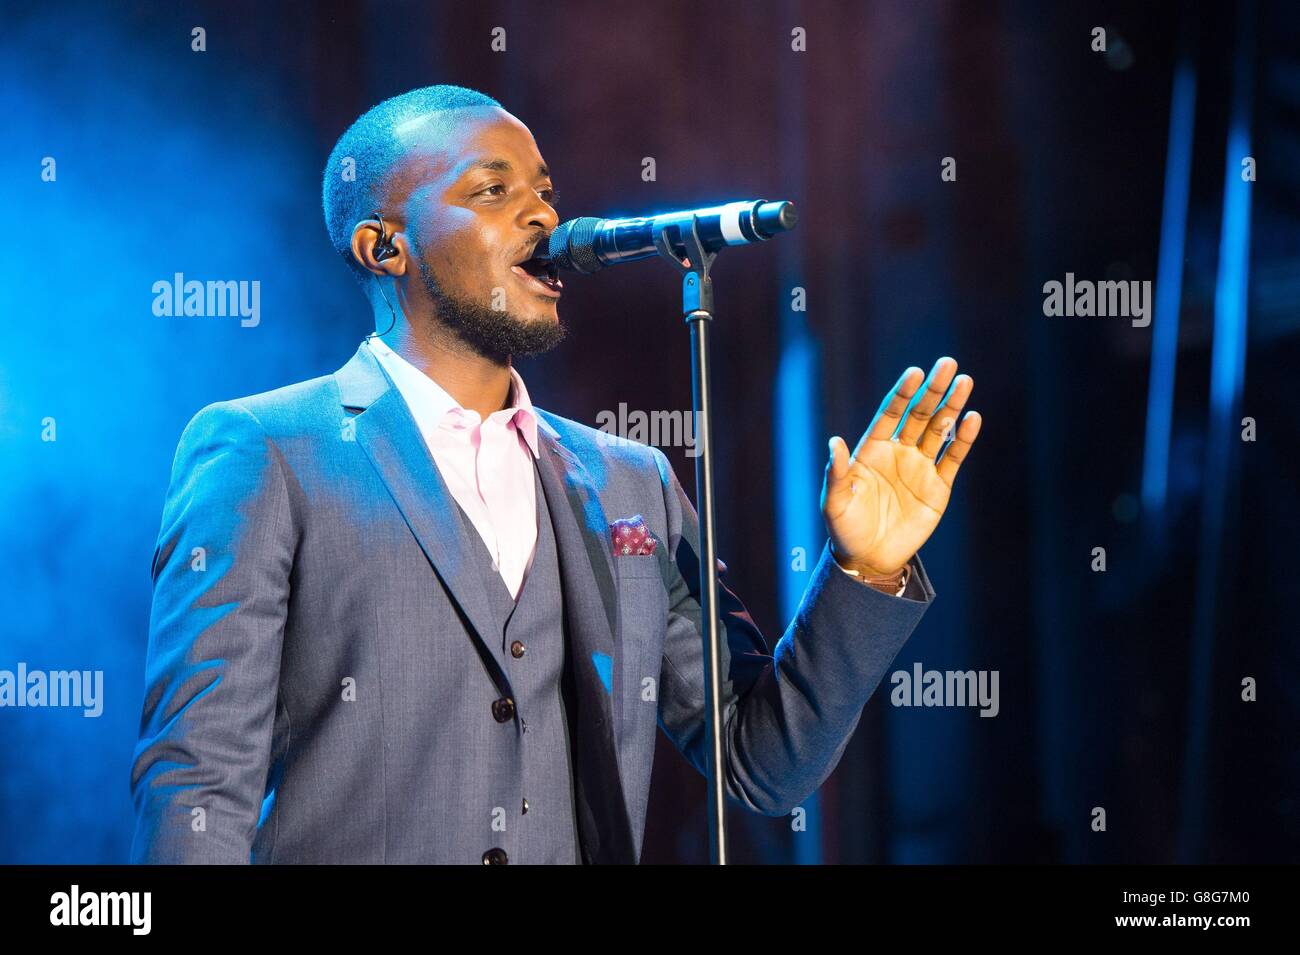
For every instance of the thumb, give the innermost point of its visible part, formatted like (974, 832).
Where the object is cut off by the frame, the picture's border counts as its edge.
(837, 493)
(838, 465)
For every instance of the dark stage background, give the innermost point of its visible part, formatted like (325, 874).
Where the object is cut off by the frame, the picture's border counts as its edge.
(1119, 689)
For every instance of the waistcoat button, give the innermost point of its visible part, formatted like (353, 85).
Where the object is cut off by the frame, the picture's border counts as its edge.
(503, 710)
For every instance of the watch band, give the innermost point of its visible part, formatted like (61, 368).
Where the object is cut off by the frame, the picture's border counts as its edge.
(899, 577)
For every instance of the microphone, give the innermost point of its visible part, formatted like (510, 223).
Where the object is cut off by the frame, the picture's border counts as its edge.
(588, 244)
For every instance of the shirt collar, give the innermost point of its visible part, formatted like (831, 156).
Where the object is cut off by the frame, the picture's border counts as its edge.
(427, 399)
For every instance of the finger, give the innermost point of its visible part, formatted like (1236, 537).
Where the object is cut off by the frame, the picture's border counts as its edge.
(921, 410)
(967, 431)
(837, 469)
(943, 423)
(890, 412)
(838, 465)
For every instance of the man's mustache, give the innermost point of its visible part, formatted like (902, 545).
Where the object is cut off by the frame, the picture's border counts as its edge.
(529, 250)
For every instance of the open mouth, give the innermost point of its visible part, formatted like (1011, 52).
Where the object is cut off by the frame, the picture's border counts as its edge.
(540, 275)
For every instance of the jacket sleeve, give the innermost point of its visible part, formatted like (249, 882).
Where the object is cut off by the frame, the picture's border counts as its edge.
(787, 717)
(220, 593)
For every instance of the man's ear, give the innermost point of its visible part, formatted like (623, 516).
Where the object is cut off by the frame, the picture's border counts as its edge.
(366, 248)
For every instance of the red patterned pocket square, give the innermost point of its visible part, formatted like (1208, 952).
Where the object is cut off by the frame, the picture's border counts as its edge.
(630, 536)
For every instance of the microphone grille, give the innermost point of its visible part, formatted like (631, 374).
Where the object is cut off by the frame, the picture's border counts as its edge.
(571, 246)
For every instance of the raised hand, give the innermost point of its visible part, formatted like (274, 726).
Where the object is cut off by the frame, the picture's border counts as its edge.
(882, 502)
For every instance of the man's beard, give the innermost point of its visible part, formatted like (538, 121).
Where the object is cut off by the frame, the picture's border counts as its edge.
(496, 335)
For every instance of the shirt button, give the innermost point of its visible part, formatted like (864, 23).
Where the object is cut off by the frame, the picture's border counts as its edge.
(517, 650)
(503, 710)
(495, 856)
(525, 807)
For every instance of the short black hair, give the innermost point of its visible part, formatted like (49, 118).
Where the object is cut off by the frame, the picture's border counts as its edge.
(363, 156)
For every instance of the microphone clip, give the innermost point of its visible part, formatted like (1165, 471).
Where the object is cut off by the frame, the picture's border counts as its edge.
(697, 283)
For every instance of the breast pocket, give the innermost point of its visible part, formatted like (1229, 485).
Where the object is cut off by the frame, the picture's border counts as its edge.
(635, 566)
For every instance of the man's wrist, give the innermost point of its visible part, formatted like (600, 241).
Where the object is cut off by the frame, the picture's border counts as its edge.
(894, 583)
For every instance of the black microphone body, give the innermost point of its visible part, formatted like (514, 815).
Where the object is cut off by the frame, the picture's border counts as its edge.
(588, 244)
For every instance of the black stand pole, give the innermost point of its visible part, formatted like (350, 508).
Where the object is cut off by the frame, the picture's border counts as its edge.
(697, 307)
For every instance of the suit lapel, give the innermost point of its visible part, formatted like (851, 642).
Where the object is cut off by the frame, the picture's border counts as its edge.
(593, 659)
(393, 443)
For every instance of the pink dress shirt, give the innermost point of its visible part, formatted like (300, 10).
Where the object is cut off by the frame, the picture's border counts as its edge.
(485, 463)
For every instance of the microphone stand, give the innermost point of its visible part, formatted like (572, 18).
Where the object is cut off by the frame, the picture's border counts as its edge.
(697, 307)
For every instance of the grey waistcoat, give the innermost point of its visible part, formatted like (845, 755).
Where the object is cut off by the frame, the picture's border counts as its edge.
(548, 832)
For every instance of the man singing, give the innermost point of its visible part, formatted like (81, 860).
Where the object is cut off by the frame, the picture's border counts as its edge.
(434, 623)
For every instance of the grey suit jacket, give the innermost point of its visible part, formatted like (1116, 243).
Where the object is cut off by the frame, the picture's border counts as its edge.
(320, 672)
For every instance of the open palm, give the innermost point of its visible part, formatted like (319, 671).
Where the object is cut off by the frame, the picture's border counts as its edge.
(882, 502)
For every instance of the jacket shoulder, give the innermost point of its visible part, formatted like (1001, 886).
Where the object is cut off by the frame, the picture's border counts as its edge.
(283, 411)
